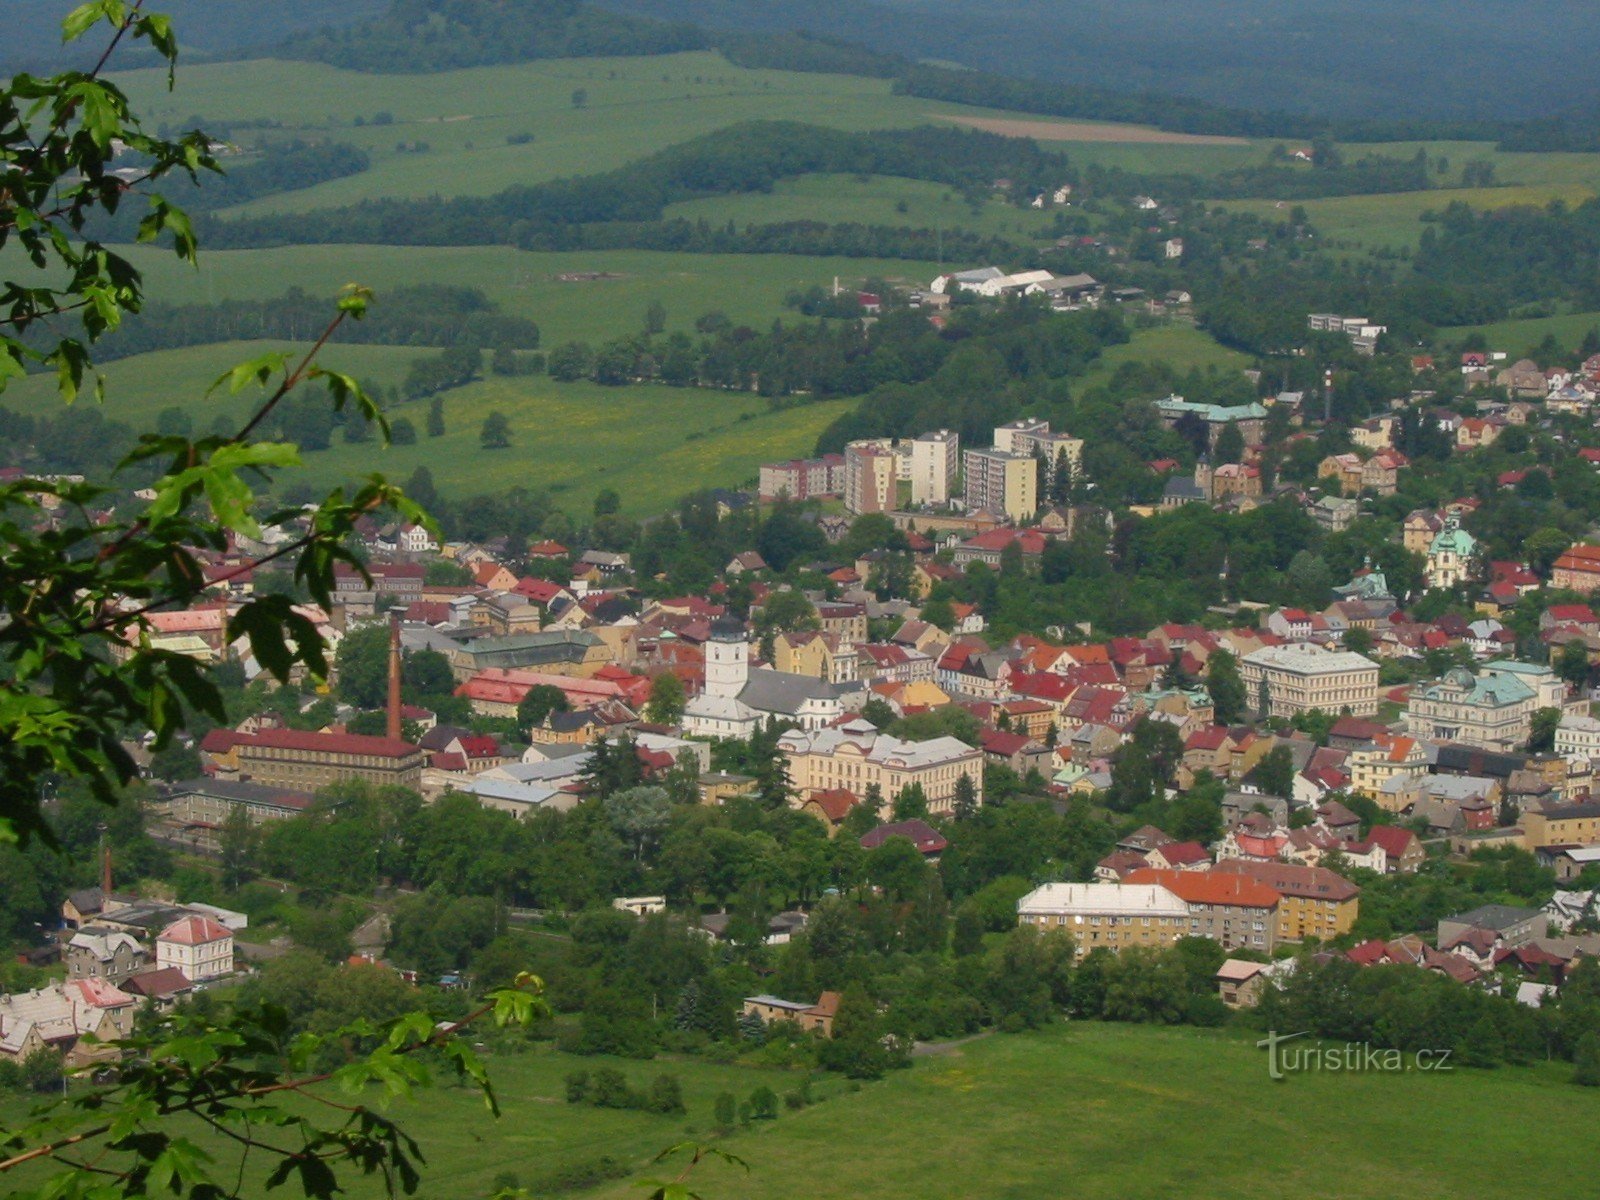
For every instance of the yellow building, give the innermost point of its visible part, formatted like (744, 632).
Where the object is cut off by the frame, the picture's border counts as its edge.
(305, 762)
(1374, 765)
(1316, 902)
(1569, 825)
(1001, 482)
(819, 655)
(1296, 679)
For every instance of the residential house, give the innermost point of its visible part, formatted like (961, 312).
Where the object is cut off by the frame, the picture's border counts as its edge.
(197, 946)
(816, 1017)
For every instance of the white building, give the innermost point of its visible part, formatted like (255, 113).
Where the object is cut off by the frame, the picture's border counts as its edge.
(1298, 678)
(1578, 737)
(1112, 915)
(197, 946)
(935, 461)
(737, 701)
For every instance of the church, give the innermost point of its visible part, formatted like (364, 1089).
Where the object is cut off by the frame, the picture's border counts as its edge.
(737, 701)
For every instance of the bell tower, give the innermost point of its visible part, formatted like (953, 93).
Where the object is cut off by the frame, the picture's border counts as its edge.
(727, 658)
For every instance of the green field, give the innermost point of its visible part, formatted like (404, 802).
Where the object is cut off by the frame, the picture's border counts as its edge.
(1182, 347)
(1078, 1110)
(868, 200)
(1393, 221)
(1514, 337)
(750, 288)
(652, 444)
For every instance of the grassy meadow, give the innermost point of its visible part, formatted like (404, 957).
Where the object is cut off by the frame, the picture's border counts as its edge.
(1182, 347)
(1515, 337)
(750, 288)
(651, 444)
(1077, 1110)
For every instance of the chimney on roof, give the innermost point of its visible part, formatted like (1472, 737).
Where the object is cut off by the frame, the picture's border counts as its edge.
(393, 729)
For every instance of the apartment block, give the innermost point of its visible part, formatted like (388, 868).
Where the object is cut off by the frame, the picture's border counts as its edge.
(1110, 915)
(870, 472)
(935, 460)
(1001, 482)
(1315, 902)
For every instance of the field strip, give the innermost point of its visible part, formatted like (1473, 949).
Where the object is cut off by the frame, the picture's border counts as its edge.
(1089, 131)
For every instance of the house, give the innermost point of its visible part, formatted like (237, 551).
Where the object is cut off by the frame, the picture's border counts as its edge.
(62, 1016)
(1402, 849)
(816, 1017)
(1507, 925)
(1240, 983)
(749, 562)
(930, 843)
(197, 946)
(104, 954)
(162, 988)
(1577, 570)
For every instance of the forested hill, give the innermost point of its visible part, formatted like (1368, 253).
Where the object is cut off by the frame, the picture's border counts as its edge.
(30, 30)
(441, 35)
(1440, 59)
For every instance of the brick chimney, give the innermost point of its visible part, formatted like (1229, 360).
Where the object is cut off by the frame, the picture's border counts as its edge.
(394, 674)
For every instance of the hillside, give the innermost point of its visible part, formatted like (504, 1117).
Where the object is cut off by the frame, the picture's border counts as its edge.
(211, 28)
(1344, 58)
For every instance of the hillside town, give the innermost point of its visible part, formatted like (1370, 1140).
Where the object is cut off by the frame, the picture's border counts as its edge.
(1351, 737)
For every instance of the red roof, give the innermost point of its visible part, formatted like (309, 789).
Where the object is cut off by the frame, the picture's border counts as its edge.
(922, 835)
(194, 931)
(1207, 887)
(1394, 839)
(547, 549)
(835, 803)
(329, 743)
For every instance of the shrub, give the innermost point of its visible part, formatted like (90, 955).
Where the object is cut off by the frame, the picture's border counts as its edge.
(577, 1087)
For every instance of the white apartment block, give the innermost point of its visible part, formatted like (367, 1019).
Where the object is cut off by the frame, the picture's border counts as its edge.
(1006, 436)
(935, 461)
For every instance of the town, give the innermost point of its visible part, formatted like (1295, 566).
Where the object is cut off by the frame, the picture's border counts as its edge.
(1292, 757)
(595, 601)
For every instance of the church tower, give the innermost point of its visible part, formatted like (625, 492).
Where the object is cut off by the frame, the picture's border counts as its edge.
(727, 658)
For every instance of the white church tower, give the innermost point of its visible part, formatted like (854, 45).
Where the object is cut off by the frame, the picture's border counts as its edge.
(727, 658)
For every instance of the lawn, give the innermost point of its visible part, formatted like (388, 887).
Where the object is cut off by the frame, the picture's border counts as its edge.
(1077, 1110)
(1133, 1112)
(1182, 347)
(652, 444)
(750, 288)
(1394, 221)
(1515, 337)
(869, 200)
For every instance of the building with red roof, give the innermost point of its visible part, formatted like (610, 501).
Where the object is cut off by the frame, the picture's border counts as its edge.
(1232, 909)
(307, 761)
(197, 946)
